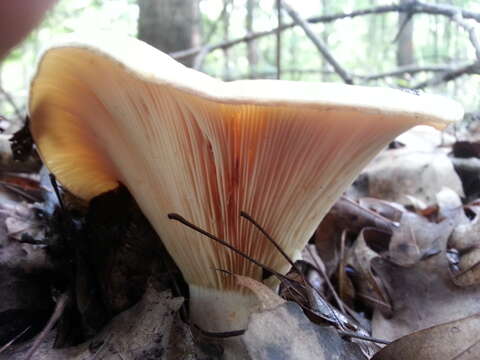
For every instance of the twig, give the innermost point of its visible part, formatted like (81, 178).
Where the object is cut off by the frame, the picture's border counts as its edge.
(7, 345)
(363, 337)
(309, 286)
(53, 181)
(273, 242)
(181, 219)
(220, 335)
(327, 280)
(318, 43)
(342, 266)
(347, 208)
(59, 308)
(99, 350)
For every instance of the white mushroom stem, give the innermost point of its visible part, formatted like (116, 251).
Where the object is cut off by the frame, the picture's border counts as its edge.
(218, 310)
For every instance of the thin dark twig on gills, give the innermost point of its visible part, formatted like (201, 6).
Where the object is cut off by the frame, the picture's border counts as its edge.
(181, 219)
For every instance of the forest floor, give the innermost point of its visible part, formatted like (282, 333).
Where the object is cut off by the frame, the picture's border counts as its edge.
(392, 272)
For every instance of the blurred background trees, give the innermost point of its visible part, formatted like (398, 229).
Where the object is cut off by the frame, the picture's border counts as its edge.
(429, 45)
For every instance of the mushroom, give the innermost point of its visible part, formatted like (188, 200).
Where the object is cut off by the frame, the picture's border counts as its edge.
(119, 111)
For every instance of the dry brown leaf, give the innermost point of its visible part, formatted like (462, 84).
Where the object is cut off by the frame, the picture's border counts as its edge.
(470, 275)
(21, 220)
(369, 287)
(455, 340)
(400, 172)
(423, 295)
(144, 331)
(327, 241)
(465, 235)
(267, 298)
(465, 240)
(285, 333)
(353, 216)
(417, 237)
(425, 138)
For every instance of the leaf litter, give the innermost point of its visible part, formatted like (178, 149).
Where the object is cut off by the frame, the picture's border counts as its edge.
(396, 259)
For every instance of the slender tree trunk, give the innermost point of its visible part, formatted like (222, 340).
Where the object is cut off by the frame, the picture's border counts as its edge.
(228, 5)
(169, 25)
(405, 51)
(324, 76)
(278, 55)
(252, 54)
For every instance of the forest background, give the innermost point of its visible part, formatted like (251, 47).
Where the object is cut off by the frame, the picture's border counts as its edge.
(431, 46)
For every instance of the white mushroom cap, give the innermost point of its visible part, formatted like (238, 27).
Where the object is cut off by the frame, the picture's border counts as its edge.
(118, 110)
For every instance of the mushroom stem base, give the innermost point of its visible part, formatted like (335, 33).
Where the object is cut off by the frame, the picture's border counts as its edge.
(217, 310)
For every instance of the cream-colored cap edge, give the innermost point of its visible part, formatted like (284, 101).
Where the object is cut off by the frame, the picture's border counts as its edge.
(152, 65)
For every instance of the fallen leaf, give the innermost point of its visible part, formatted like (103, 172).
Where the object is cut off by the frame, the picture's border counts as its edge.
(425, 138)
(423, 295)
(396, 173)
(417, 237)
(367, 285)
(143, 331)
(285, 333)
(466, 242)
(469, 269)
(455, 340)
(267, 298)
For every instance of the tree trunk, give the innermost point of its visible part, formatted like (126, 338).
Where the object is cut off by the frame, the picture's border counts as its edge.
(405, 52)
(228, 6)
(169, 25)
(252, 53)
(324, 76)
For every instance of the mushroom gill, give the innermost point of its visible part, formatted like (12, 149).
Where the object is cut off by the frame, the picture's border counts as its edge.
(120, 111)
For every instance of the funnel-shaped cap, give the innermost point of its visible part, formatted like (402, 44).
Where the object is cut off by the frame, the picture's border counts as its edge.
(182, 142)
